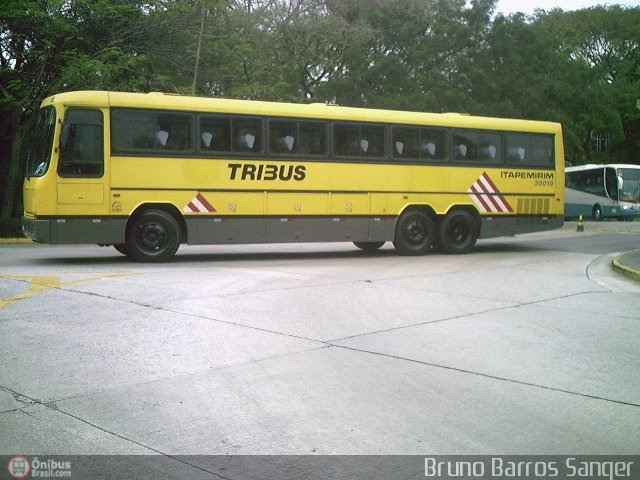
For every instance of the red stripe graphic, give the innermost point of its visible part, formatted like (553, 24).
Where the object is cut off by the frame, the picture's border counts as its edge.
(199, 204)
(478, 195)
(487, 197)
(204, 202)
(495, 189)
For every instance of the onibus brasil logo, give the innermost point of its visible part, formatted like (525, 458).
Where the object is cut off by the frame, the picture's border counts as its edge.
(21, 467)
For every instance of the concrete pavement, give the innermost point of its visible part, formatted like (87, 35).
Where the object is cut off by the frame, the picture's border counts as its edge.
(627, 263)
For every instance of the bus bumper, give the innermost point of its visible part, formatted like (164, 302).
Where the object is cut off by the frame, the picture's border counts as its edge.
(499, 226)
(626, 212)
(75, 230)
(37, 230)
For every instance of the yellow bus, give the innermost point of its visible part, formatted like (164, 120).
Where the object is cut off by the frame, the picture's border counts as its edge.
(147, 172)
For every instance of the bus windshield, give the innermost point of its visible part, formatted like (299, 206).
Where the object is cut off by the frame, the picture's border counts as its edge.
(39, 155)
(631, 184)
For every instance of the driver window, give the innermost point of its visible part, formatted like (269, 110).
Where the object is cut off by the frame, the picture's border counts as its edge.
(81, 144)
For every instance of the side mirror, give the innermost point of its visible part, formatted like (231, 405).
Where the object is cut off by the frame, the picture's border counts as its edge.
(620, 182)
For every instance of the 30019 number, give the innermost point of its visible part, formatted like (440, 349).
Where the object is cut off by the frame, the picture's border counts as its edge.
(544, 183)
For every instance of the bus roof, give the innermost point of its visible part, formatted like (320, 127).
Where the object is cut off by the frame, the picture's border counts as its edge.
(594, 166)
(157, 100)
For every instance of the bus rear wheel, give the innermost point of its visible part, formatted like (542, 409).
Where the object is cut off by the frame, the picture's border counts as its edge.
(153, 236)
(415, 233)
(458, 232)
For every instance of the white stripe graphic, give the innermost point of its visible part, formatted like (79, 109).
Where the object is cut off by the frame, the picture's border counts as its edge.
(486, 197)
(198, 205)
(480, 197)
(496, 198)
(486, 206)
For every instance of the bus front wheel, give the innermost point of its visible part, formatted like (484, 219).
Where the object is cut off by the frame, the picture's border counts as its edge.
(153, 236)
(458, 232)
(415, 233)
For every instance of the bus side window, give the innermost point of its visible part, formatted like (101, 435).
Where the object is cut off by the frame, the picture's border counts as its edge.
(139, 129)
(541, 150)
(174, 133)
(464, 146)
(489, 148)
(283, 137)
(81, 144)
(215, 134)
(149, 131)
(529, 149)
(405, 143)
(372, 142)
(313, 138)
(432, 144)
(354, 140)
(346, 141)
(247, 135)
(517, 148)
(485, 147)
(418, 144)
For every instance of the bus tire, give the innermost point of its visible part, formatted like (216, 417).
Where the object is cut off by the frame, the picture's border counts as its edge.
(122, 248)
(415, 233)
(369, 246)
(596, 213)
(153, 236)
(458, 232)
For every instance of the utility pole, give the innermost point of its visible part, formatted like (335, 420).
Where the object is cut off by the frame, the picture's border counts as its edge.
(194, 87)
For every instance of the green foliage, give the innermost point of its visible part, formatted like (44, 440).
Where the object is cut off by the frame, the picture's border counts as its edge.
(581, 68)
(605, 43)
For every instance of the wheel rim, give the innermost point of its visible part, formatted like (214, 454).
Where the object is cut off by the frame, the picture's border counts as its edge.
(458, 233)
(416, 232)
(153, 237)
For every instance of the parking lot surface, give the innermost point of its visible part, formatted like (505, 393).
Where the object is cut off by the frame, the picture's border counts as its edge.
(526, 346)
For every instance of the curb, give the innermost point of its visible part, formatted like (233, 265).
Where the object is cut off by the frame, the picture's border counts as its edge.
(8, 241)
(624, 269)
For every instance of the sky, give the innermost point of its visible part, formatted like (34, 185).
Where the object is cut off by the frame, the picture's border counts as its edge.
(528, 6)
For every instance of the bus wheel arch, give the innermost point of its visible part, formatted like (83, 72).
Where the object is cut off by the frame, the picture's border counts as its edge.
(369, 246)
(459, 230)
(415, 230)
(154, 233)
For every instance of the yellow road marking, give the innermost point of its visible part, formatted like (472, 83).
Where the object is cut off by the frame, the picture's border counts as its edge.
(42, 283)
(38, 284)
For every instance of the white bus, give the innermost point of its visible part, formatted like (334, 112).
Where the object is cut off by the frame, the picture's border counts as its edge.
(603, 191)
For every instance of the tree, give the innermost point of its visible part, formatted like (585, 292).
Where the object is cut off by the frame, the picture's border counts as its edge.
(54, 45)
(581, 68)
(606, 41)
(409, 54)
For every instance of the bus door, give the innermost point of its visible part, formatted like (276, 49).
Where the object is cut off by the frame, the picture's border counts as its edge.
(81, 189)
(612, 183)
